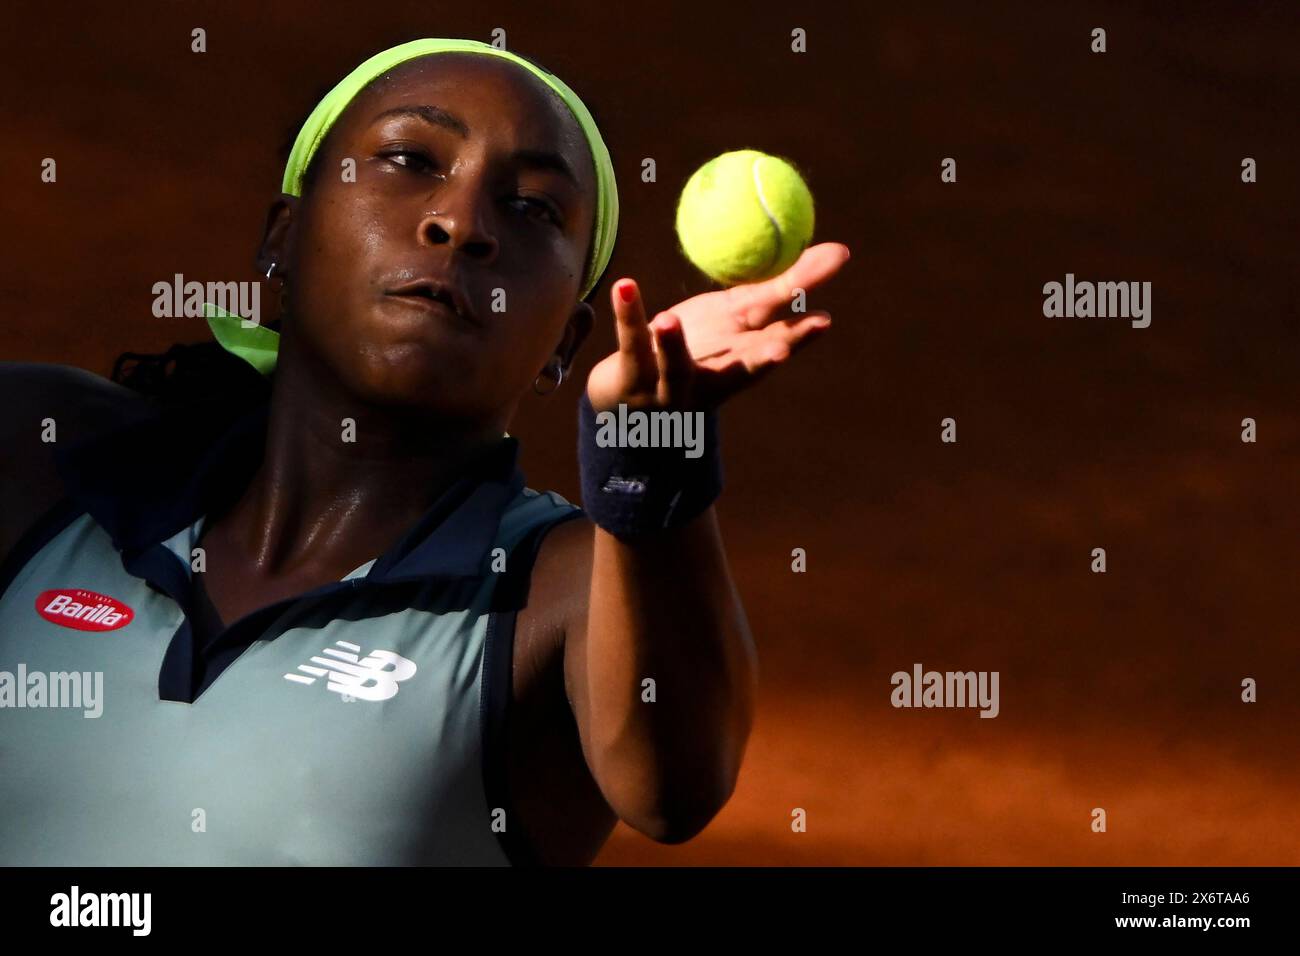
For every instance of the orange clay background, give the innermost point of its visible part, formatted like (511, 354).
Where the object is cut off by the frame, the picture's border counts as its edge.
(1120, 690)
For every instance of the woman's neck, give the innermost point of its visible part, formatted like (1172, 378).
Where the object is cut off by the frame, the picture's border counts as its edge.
(340, 480)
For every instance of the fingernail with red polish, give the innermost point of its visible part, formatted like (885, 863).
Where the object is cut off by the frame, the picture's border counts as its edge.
(627, 291)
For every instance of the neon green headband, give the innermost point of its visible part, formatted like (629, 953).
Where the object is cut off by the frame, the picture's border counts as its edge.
(259, 346)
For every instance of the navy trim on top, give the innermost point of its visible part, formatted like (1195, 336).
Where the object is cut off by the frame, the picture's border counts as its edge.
(146, 482)
(47, 527)
(497, 690)
(149, 480)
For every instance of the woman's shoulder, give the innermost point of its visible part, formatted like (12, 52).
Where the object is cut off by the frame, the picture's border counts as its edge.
(43, 406)
(83, 399)
(64, 386)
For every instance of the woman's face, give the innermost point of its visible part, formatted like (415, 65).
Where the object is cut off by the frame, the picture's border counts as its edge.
(469, 175)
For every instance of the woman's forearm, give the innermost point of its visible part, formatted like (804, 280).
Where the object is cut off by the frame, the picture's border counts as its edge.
(670, 675)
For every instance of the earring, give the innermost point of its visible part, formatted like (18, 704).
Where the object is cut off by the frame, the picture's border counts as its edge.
(271, 270)
(558, 376)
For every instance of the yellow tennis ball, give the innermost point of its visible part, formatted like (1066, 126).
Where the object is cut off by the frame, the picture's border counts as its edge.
(744, 216)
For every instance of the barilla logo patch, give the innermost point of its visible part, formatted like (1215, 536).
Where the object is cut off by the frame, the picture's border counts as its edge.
(83, 610)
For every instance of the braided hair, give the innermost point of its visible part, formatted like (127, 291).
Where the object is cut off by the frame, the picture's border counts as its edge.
(189, 374)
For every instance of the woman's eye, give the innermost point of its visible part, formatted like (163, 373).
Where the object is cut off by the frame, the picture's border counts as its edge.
(409, 159)
(541, 207)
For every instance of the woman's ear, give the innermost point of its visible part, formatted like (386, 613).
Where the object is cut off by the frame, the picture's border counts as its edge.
(579, 326)
(274, 247)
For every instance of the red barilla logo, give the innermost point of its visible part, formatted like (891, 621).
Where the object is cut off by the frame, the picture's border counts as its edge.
(83, 610)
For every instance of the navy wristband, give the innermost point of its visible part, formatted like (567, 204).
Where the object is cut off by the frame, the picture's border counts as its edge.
(631, 491)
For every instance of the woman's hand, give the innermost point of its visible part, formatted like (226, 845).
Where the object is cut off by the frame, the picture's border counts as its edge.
(703, 350)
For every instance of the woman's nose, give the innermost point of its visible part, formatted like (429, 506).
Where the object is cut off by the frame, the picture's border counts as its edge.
(460, 222)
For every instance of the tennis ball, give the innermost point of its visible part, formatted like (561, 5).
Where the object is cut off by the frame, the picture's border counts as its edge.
(744, 216)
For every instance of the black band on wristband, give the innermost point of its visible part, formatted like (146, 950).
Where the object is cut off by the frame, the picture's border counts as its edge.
(630, 488)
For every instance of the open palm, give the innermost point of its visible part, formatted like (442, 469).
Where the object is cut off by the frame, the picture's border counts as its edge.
(703, 350)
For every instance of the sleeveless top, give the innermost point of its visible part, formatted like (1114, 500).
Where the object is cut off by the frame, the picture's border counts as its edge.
(362, 723)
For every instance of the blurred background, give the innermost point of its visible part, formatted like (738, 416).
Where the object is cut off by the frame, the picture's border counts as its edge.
(1118, 690)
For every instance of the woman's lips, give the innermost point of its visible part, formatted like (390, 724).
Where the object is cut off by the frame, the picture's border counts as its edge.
(438, 289)
(430, 305)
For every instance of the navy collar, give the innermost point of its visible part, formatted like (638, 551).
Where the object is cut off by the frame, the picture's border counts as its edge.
(149, 480)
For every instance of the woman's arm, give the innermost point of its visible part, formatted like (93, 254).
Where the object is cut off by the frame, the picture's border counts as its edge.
(662, 607)
(665, 754)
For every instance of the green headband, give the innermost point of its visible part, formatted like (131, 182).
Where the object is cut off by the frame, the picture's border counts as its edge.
(258, 345)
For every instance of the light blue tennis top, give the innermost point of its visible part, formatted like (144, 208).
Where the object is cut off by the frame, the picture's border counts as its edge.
(362, 723)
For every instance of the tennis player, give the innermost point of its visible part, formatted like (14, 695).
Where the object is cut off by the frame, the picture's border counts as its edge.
(318, 617)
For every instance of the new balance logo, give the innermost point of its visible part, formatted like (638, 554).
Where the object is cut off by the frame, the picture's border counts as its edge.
(374, 678)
